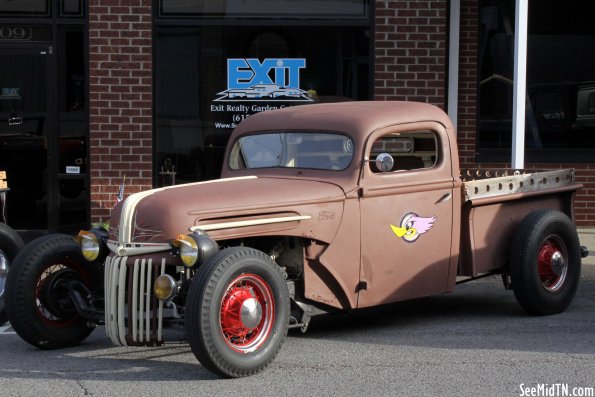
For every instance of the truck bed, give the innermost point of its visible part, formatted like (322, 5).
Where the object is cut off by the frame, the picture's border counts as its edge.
(495, 201)
(479, 183)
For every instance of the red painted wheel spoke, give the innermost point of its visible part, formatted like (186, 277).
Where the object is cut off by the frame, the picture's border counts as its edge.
(246, 317)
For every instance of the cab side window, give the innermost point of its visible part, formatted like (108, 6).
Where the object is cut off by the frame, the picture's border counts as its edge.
(410, 150)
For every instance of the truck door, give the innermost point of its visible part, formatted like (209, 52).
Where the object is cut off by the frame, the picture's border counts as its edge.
(406, 215)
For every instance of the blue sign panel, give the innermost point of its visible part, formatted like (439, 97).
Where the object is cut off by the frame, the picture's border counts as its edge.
(273, 79)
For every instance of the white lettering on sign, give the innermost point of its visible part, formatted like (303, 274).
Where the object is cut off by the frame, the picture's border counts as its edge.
(73, 170)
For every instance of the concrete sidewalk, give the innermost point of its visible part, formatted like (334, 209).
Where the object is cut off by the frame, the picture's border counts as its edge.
(587, 237)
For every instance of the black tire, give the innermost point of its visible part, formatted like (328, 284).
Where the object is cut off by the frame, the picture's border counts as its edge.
(216, 294)
(545, 262)
(10, 245)
(33, 292)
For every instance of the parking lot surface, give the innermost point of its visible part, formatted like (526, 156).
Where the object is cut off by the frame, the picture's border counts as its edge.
(472, 342)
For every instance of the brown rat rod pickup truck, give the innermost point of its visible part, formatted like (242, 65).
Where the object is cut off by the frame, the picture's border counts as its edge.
(321, 208)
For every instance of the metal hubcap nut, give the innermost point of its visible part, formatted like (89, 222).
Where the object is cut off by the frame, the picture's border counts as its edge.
(251, 313)
(557, 262)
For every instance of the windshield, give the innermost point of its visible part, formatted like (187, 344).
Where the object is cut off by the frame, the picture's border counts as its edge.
(314, 150)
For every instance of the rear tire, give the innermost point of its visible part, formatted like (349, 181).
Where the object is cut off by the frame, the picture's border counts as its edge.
(237, 312)
(10, 244)
(37, 299)
(545, 262)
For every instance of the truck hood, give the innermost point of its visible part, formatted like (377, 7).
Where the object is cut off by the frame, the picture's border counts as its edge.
(159, 215)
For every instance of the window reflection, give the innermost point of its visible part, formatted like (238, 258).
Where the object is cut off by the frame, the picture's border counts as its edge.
(71, 8)
(72, 131)
(266, 8)
(311, 150)
(23, 138)
(410, 150)
(560, 76)
(73, 118)
(194, 119)
(24, 8)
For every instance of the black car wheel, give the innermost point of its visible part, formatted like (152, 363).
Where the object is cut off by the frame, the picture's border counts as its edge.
(545, 262)
(10, 244)
(38, 299)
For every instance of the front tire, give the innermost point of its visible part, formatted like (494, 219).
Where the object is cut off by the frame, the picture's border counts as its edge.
(37, 297)
(545, 262)
(10, 245)
(237, 312)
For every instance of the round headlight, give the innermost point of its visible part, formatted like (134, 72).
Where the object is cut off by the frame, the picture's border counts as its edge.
(165, 287)
(89, 245)
(188, 249)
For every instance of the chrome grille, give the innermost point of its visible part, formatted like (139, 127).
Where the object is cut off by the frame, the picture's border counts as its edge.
(132, 314)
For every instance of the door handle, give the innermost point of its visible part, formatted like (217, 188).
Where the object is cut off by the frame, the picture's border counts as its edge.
(445, 197)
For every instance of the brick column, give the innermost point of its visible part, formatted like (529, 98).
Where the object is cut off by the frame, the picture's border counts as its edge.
(468, 107)
(411, 41)
(584, 205)
(120, 100)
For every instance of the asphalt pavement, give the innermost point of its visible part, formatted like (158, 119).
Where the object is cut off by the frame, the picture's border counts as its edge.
(475, 341)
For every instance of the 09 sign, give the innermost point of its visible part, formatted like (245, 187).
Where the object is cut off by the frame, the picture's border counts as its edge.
(15, 33)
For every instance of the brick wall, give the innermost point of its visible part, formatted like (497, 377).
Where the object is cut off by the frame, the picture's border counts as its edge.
(411, 41)
(120, 100)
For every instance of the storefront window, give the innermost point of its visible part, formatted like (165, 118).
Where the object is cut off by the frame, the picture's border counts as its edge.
(560, 121)
(71, 8)
(41, 8)
(265, 8)
(29, 8)
(208, 79)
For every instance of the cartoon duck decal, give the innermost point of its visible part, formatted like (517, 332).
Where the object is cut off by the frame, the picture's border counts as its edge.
(412, 226)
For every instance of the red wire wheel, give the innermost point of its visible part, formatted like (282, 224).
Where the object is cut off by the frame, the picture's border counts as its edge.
(552, 263)
(247, 313)
(237, 312)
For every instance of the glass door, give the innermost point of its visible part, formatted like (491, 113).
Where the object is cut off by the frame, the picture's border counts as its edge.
(25, 138)
(44, 115)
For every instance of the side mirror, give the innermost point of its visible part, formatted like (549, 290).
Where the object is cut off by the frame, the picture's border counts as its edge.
(384, 162)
